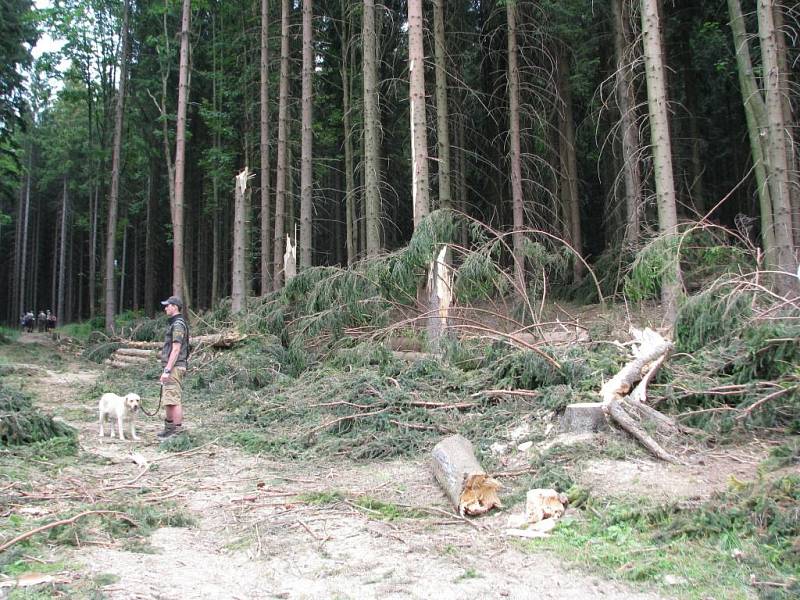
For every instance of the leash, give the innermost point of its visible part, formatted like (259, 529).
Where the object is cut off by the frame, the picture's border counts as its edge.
(155, 412)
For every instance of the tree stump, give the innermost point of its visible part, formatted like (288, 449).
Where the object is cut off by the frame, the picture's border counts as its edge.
(466, 484)
(583, 417)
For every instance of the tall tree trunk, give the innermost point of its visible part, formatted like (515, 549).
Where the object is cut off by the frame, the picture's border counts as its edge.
(756, 116)
(216, 259)
(178, 270)
(777, 151)
(515, 160)
(629, 131)
(347, 122)
(135, 269)
(95, 214)
(785, 84)
(442, 111)
(122, 268)
(238, 274)
(372, 198)
(23, 298)
(569, 164)
(150, 248)
(461, 195)
(62, 252)
(280, 173)
(306, 136)
(662, 148)
(113, 197)
(419, 139)
(266, 211)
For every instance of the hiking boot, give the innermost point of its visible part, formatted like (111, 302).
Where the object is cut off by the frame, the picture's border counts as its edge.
(169, 430)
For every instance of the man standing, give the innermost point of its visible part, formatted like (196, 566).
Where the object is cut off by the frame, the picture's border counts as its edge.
(173, 356)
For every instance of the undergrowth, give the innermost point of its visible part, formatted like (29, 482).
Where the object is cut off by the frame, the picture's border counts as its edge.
(749, 533)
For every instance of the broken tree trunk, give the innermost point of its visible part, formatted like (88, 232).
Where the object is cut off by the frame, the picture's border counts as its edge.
(439, 297)
(624, 408)
(466, 484)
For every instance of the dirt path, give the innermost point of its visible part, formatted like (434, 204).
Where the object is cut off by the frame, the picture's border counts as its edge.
(253, 537)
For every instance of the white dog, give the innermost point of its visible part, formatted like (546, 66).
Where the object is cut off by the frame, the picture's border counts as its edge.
(121, 407)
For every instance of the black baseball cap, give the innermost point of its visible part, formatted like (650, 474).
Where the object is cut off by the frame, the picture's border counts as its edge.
(173, 300)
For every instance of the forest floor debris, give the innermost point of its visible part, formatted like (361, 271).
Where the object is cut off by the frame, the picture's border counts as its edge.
(251, 512)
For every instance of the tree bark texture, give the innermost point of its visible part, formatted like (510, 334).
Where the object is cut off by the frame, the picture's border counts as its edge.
(515, 154)
(62, 252)
(238, 275)
(629, 132)
(419, 139)
(662, 147)
(442, 111)
(113, 197)
(266, 209)
(777, 151)
(372, 199)
(307, 138)
(347, 122)
(280, 174)
(178, 268)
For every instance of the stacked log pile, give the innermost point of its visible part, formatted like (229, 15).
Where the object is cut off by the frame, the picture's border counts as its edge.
(138, 354)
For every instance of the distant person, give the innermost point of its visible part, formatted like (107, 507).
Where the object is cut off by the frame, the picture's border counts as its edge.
(28, 321)
(52, 321)
(174, 356)
(41, 322)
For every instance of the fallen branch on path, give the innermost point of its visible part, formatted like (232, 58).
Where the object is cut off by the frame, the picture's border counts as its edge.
(70, 521)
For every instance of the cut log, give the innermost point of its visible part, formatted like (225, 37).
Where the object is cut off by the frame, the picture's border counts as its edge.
(136, 352)
(218, 340)
(140, 360)
(583, 417)
(151, 345)
(120, 364)
(466, 484)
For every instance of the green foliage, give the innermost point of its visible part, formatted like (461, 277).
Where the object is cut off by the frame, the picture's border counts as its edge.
(652, 264)
(20, 424)
(100, 351)
(181, 442)
(253, 364)
(643, 542)
(785, 455)
(710, 317)
(771, 351)
(8, 335)
(524, 369)
(387, 511)
(257, 442)
(479, 276)
(364, 355)
(609, 269)
(322, 498)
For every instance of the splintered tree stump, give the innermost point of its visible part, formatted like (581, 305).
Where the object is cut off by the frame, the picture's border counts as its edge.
(466, 484)
(583, 417)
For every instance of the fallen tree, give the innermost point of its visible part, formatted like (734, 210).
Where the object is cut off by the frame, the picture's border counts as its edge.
(621, 401)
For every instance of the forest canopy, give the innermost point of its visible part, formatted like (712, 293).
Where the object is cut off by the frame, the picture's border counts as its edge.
(604, 125)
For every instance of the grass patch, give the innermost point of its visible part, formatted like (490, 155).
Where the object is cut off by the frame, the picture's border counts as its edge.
(322, 498)
(182, 442)
(387, 511)
(714, 548)
(469, 573)
(255, 442)
(8, 335)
